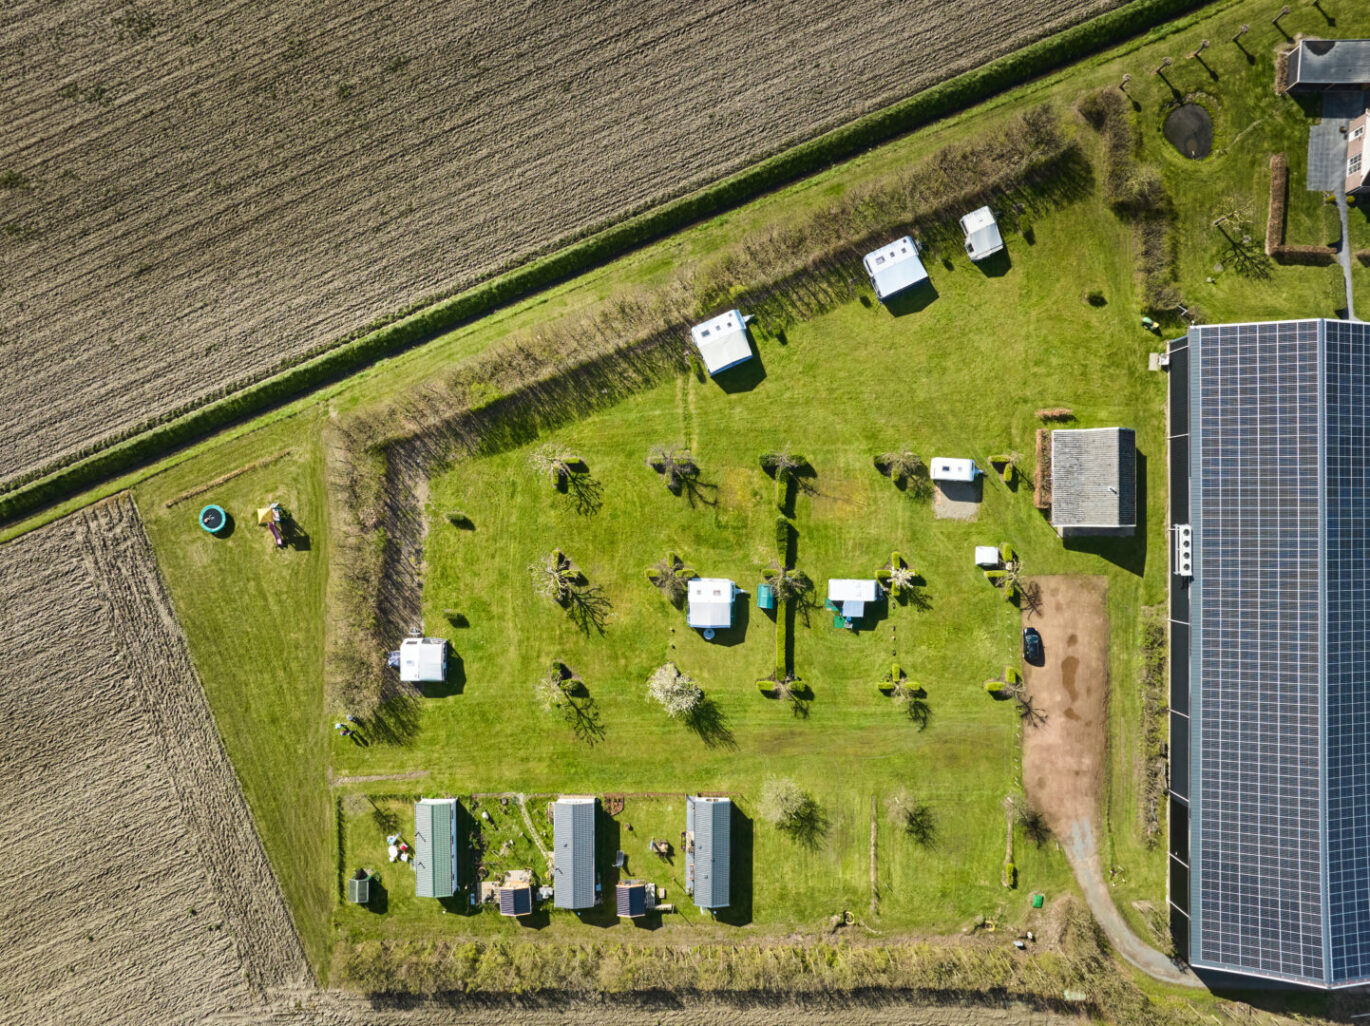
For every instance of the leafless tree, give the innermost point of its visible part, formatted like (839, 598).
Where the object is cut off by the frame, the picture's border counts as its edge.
(555, 576)
(790, 585)
(906, 470)
(557, 465)
(672, 577)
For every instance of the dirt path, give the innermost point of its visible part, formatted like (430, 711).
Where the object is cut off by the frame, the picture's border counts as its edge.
(1064, 747)
(137, 891)
(207, 191)
(532, 833)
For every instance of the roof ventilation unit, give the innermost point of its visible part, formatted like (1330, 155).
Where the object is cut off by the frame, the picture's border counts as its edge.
(1184, 550)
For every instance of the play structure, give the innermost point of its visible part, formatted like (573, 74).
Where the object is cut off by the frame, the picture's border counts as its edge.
(272, 517)
(213, 519)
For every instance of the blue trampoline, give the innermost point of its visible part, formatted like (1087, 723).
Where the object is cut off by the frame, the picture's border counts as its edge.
(213, 519)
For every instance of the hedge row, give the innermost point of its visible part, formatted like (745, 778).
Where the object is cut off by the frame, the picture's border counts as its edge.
(938, 101)
(1312, 256)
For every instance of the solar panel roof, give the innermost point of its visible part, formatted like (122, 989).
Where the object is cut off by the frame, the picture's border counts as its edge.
(1279, 834)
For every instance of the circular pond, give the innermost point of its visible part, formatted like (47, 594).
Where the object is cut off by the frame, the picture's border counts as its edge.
(1190, 130)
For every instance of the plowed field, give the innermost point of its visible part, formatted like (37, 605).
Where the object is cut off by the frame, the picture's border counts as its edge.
(191, 195)
(137, 891)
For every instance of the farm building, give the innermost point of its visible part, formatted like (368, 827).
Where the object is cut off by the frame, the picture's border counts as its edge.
(573, 853)
(711, 602)
(631, 898)
(982, 234)
(516, 899)
(435, 847)
(423, 660)
(708, 850)
(722, 342)
(1357, 157)
(1094, 481)
(894, 268)
(1317, 65)
(850, 597)
(1270, 590)
(944, 468)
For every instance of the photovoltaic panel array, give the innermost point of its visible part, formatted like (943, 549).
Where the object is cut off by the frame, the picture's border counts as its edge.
(1256, 901)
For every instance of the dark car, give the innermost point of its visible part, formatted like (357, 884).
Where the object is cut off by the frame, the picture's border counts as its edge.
(1032, 646)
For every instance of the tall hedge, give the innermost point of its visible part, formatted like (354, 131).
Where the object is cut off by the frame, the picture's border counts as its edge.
(86, 470)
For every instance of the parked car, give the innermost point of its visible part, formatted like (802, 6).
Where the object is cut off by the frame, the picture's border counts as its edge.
(1032, 646)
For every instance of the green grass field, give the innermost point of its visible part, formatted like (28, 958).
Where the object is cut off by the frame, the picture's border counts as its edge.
(961, 376)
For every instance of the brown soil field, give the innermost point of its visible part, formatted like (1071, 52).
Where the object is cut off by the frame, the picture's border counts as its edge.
(192, 195)
(137, 890)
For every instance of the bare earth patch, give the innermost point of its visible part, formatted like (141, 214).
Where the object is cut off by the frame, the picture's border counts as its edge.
(137, 890)
(957, 500)
(197, 193)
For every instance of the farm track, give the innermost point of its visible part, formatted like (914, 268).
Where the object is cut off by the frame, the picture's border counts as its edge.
(125, 813)
(224, 188)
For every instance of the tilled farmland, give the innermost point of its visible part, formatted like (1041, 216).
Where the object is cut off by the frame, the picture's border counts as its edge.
(137, 890)
(191, 195)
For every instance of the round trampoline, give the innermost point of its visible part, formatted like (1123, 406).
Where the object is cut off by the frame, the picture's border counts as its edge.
(1189, 128)
(213, 519)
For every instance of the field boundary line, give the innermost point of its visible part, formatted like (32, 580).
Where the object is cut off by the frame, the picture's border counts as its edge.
(225, 478)
(141, 445)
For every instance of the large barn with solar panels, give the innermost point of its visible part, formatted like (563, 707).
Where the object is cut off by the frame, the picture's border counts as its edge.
(1270, 636)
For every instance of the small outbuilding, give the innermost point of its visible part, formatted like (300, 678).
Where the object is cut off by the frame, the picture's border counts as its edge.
(708, 850)
(850, 596)
(895, 267)
(435, 847)
(516, 899)
(359, 887)
(1094, 481)
(982, 234)
(632, 899)
(722, 342)
(1358, 156)
(423, 660)
(1318, 65)
(986, 556)
(710, 603)
(945, 468)
(573, 853)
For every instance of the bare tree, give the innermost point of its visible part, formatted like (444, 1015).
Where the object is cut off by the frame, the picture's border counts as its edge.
(788, 468)
(897, 577)
(792, 810)
(905, 469)
(674, 465)
(555, 686)
(678, 694)
(672, 577)
(790, 585)
(913, 699)
(555, 576)
(557, 465)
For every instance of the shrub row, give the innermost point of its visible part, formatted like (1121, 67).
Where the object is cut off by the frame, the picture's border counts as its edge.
(1279, 194)
(89, 469)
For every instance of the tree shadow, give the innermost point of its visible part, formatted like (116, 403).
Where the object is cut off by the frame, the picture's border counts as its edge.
(1028, 711)
(916, 707)
(395, 720)
(1127, 552)
(920, 824)
(588, 607)
(585, 493)
(808, 824)
(295, 536)
(582, 715)
(911, 301)
(916, 595)
(708, 720)
(739, 909)
(697, 491)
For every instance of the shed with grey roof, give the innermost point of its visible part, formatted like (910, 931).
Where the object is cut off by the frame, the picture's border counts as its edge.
(1317, 65)
(1094, 481)
(435, 847)
(708, 850)
(573, 853)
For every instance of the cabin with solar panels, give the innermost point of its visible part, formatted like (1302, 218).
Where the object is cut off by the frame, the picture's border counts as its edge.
(1269, 600)
(573, 853)
(708, 851)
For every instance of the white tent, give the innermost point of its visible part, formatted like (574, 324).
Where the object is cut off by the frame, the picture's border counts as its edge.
(852, 595)
(986, 556)
(982, 234)
(423, 660)
(722, 342)
(711, 602)
(895, 267)
(945, 468)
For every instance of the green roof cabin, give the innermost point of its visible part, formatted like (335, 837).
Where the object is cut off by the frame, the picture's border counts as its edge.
(359, 887)
(435, 847)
